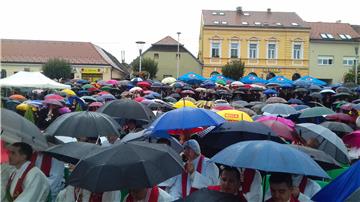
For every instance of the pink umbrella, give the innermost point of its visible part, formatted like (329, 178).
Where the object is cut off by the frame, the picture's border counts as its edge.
(113, 82)
(144, 84)
(148, 92)
(96, 104)
(64, 110)
(220, 107)
(103, 93)
(139, 99)
(341, 117)
(54, 97)
(53, 102)
(187, 92)
(282, 129)
(352, 139)
(288, 122)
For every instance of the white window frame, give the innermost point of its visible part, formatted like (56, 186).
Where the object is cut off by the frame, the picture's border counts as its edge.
(347, 59)
(301, 50)
(275, 51)
(211, 47)
(325, 58)
(257, 50)
(238, 48)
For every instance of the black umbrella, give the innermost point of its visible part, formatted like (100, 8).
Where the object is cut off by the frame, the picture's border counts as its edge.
(337, 127)
(15, 128)
(232, 132)
(209, 196)
(324, 160)
(72, 152)
(83, 124)
(130, 165)
(127, 109)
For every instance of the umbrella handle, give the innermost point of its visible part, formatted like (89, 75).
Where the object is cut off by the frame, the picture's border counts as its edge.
(264, 187)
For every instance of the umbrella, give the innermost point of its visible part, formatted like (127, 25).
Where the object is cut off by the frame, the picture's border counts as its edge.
(341, 187)
(236, 84)
(272, 100)
(136, 79)
(144, 84)
(295, 101)
(131, 165)
(315, 112)
(337, 127)
(283, 127)
(300, 107)
(184, 103)
(330, 91)
(301, 83)
(352, 139)
(83, 124)
(340, 117)
(96, 104)
(53, 102)
(312, 80)
(270, 91)
(15, 128)
(112, 82)
(192, 78)
(229, 133)
(250, 79)
(187, 92)
(269, 156)
(87, 86)
(329, 142)
(64, 110)
(88, 98)
(207, 195)
(17, 97)
(168, 80)
(235, 115)
(107, 97)
(185, 118)
(239, 104)
(317, 95)
(127, 109)
(208, 84)
(72, 152)
(170, 99)
(278, 108)
(343, 90)
(280, 80)
(54, 97)
(324, 160)
(69, 92)
(354, 197)
(222, 106)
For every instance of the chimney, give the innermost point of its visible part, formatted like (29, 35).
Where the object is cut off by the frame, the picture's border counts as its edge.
(338, 21)
(269, 10)
(122, 56)
(239, 10)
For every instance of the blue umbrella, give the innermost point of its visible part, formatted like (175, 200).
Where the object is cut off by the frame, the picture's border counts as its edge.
(185, 118)
(78, 100)
(281, 80)
(250, 79)
(208, 84)
(155, 94)
(269, 156)
(82, 92)
(192, 78)
(312, 80)
(107, 97)
(82, 81)
(270, 91)
(217, 77)
(302, 83)
(342, 186)
(295, 101)
(150, 97)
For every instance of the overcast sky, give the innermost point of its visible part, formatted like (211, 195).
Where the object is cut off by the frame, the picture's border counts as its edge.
(116, 25)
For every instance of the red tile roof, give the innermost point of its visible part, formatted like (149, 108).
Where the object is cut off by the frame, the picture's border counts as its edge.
(249, 18)
(36, 51)
(168, 41)
(318, 28)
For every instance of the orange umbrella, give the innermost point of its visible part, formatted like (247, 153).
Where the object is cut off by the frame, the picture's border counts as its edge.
(17, 97)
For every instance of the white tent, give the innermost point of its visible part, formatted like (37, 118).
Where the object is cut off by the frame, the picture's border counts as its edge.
(31, 80)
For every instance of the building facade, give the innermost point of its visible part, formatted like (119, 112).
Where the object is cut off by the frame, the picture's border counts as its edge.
(332, 50)
(87, 60)
(164, 52)
(266, 41)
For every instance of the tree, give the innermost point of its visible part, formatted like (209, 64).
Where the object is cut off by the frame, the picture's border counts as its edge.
(234, 69)
(56, 69)
(147, 65)
(350, 75)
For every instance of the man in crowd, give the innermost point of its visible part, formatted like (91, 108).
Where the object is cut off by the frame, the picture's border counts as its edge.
(153, 194)
(27, 182)
(199, 172)
(306, 186)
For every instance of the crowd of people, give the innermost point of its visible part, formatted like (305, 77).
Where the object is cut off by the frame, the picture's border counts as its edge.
(29, 175)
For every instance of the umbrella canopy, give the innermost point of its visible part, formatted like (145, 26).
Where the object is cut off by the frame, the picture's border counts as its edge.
(15, 128)
(283, 127)
(83, 124)
(54, 96)
(352, 139)
(269, 156)
(127, 109)
(354, 197)
(315, 112)
(278, 109)
(209, 196)
(272, 100)
(144, 84)
(192, 78)
(17, 97)
(184, 103)
(168, 80)
(72, 152)
(281, 80)
(131, 165)
(341, 187)
(329, 142)
(295, 101)
(185, 118)
(340, 117)
(337, 127)
(312, 81)
(88, 98)
(53, 102)
(229, 133)
(250, 79)
(235, 115)
(69, 92)
(324, 160)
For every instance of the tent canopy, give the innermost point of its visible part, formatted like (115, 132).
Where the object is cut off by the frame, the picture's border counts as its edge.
(31, 80)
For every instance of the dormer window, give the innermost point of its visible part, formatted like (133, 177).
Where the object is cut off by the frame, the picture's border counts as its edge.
(216, 22)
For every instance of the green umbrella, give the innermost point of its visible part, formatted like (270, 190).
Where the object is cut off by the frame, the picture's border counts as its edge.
(316, 112)
(221, 82)
(106, 88)
(87, 86)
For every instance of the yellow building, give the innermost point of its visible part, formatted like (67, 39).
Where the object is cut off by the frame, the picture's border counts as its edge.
(266, 41)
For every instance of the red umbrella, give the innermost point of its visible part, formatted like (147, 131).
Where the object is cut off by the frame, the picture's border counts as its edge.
(113, 82)
(144, 84)
(96, 104)
(341, 117)
(187, 92)
(352, 139)
(54, 97)
(148, 92)
(139, 99)
(103, 93)
(283, 130)
(93, 89)
(185, 131)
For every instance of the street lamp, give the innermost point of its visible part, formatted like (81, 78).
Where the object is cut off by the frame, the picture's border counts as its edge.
(140, 45)
(356, 64)
(178, 55)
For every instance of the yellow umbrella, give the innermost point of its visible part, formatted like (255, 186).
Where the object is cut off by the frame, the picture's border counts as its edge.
(24, 107)
(204, 104)
(235, 115)
(69, 92)
(184, 103)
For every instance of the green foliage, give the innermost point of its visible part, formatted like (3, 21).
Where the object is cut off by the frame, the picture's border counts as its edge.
(78, 108)
(29, 114)
(234, 69)
(148, 65)
(56, 69)
(350, 75)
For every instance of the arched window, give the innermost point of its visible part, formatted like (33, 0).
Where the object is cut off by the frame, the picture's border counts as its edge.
(296, 76)
(214, 73)
(270, 75)
(3, 73)
(252, 73)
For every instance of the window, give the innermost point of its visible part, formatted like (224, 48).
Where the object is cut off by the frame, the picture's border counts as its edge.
(257, 23)
(178, 55)
(244, 23)
(156, 55)
(216, 22)
(330, 36)
(224, 22)
(215, 49)
(253, 50)
(221, 13)
(323, 36)
(271, 51)
(297, 51)
(294, 24)
(348, 36)
(342, 36)
(325, 60)
(26, 69)
(349, 61)
(234, 50)
(278, 24)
